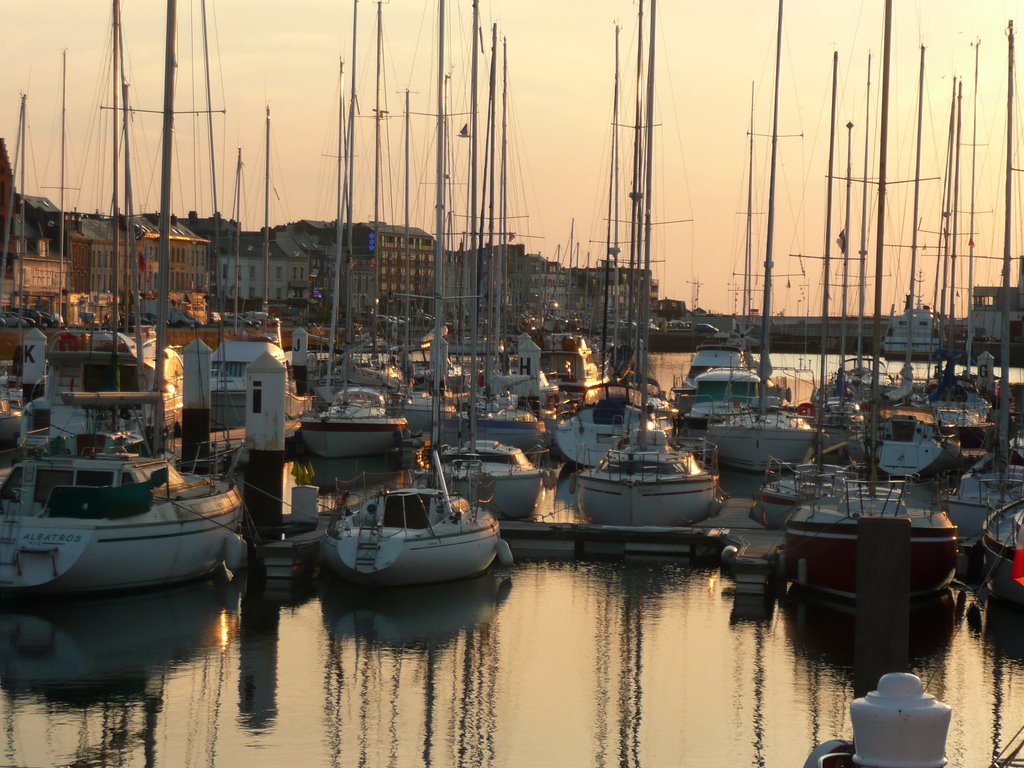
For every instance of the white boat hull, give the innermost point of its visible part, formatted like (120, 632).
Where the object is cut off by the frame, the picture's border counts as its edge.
(350, 439)
(415, 556)
(667, 503)
(515, 494)
(171, 543)
(751, 447)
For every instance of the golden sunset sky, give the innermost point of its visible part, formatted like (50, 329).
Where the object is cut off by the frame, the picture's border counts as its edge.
(710, 56)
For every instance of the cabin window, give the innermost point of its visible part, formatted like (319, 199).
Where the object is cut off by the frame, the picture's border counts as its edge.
(95, 478)
(47, 480)
(12, 487)
(126, 478)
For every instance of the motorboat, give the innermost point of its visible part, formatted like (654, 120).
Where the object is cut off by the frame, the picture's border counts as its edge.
(821, 539)
(719, 392)
(912, 443)
(357, 423)
(112, 522)
(501, 475)
(99, 362)
(649, 482)
(413, 535)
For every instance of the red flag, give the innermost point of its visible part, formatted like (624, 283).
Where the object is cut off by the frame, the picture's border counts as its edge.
(1017, 573)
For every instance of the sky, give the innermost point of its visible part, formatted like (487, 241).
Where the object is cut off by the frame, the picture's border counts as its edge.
(714, 73)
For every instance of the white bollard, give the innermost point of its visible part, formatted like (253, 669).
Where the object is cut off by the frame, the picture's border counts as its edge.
(32, 361)
(195, 413)
(899, 725)
(300, 360)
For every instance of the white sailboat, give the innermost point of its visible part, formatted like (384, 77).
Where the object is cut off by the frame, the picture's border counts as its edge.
(420, 534)
(645, 480)
(749, 440)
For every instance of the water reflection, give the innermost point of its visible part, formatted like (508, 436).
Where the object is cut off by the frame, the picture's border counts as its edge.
(421, 658)
(99, 666)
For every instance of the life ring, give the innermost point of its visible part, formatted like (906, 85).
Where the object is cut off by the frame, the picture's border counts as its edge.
(805, 409)
(68, 342)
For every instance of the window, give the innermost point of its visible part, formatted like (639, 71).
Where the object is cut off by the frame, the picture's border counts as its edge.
(12, 487)
(95, 478)
(277, 272)
(47, 480)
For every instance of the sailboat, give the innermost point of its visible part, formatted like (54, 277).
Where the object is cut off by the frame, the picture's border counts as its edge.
(1001, 534)
(419, 534)
(114, 521)
(645, 480)
(821, 536)
(749, 439)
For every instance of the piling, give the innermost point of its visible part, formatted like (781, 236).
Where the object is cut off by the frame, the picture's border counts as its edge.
(300, 360)
(882, 634)
(195, 413)
(31, 356)
(264, 439)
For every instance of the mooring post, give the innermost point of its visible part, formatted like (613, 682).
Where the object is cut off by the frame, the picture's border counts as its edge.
(195, 412)
(264, 440)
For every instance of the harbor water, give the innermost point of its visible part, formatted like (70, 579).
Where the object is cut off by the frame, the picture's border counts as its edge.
(543, 663)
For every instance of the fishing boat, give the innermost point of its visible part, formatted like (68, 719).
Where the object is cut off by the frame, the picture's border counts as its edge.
(112, 522)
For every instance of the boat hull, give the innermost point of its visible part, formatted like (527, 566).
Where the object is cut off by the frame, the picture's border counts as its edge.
(829, 549)
(515, 494)
(415, 556)
(605, 501)
(350, 439)
(172, 543)
(751, 448)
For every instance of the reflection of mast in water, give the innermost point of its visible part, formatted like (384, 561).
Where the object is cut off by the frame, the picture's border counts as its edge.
(475, 723)
(630, 673)
(602, 653)
(257, 662)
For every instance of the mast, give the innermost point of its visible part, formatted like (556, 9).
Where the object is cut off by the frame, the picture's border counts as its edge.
(238, 231)
(115, 318)
(634, 193)
(499, 294)
(376, 188)
(955, 207)
(827, 268)
(612, 245)
(748, 249)
(62, 279)
(644, 300)
(129, 228)
(864, 224)
(474, 231)
(845, 246)
(349, 188)
(405, 240)
(266, 221)
(947, 203)
(883, 139)
(970, 242)
(1004, 348)
(908, 371)
(764, 364)
(491, 172)
(437, 364)
(213, 172)
(163, 270)
(336, 298)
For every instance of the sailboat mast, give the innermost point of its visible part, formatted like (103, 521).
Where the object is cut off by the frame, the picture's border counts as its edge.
(405, 239)
(213, 168)
(748, 249)
(336, 298)
(115, 320)
(62, 279)
(864, 223)
(846, 260)
(907, 369)
(238, 233)
(474, 230)
(349, 188)
(492, 278)
(132, 265)
(955, 208)
(634, 192)
(266, 220)
(827, 263)
(376, 186)
(499, 296)
(436, 363)
(163, 270)
(1004, 348)
(612, 247)
(970, 225)
(764, 364)
(883, 140)
(644, 299)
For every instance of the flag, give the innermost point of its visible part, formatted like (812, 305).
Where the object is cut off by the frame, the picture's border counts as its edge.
(1017, 573)
(841, 242)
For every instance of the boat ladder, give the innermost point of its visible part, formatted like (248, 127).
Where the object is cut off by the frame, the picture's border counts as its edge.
(368, 546)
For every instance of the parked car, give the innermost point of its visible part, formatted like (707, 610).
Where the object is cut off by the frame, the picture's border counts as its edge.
(213, 318)
(705, 329)
(15, 319)
(182, 320)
